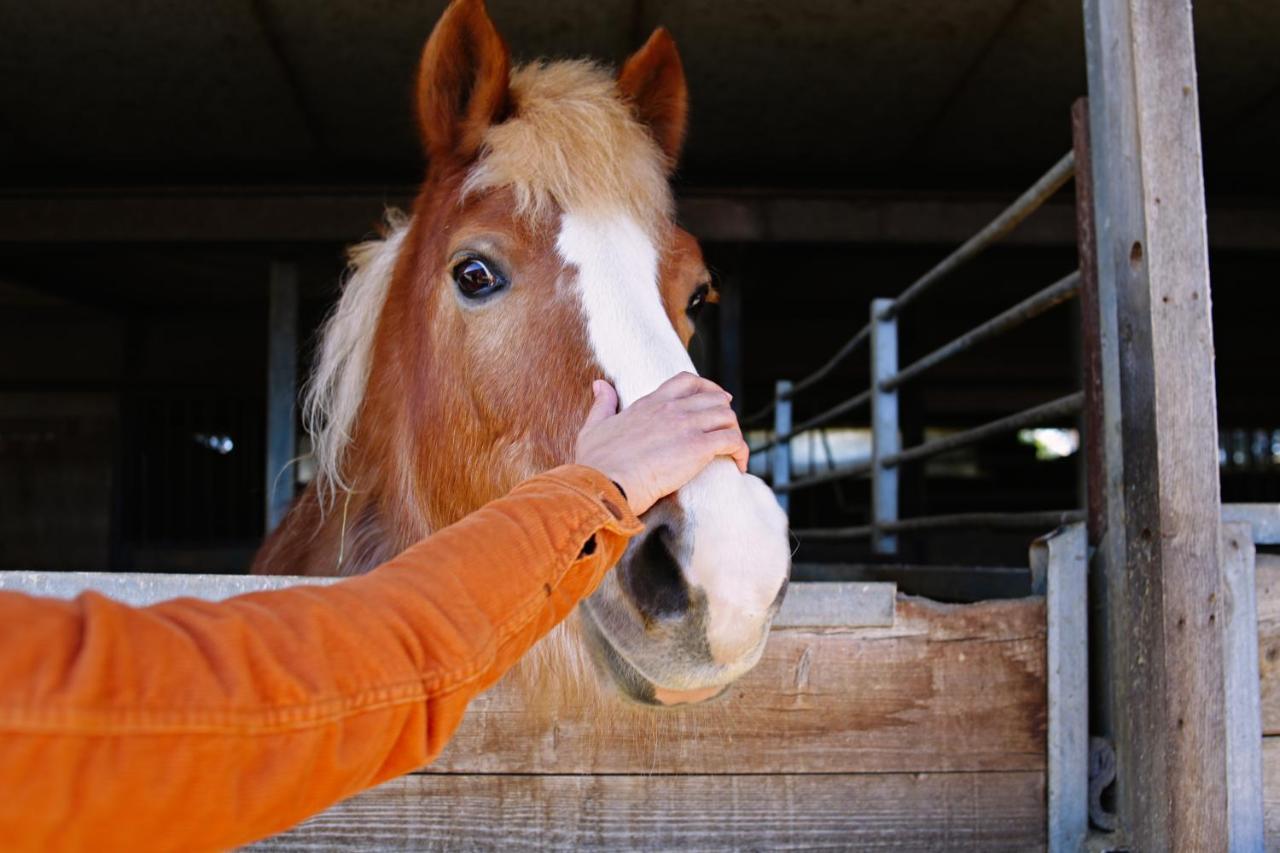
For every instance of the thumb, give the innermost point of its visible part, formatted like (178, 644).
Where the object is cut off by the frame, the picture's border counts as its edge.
(605, 404)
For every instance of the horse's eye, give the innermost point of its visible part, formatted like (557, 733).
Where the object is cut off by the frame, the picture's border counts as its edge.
(477, 278)
(697, 300)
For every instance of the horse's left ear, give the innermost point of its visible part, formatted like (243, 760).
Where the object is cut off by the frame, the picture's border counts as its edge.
(463, 82)
(653, 81)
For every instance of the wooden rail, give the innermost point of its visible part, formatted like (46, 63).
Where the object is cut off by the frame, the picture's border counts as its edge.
(873, 720)
(1268, 586)
(928, 733)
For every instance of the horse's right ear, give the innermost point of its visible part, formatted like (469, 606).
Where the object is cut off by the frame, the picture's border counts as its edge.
(463, 82)
(652, 79)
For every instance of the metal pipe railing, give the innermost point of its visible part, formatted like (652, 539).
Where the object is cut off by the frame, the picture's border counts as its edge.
(1008, 219)
(850, 346)
(855, 469)
(817, 420)
(887, 454)
(885, 436)
(1036, 415)
(1047, 412)
(1012, 216)
(1028, 309)
(991, 520)
(782, 452)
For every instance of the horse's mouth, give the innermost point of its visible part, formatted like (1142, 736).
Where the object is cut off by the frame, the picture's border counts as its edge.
(633, 683)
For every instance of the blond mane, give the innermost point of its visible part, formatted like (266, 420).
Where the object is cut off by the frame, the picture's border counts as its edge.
(332, 397)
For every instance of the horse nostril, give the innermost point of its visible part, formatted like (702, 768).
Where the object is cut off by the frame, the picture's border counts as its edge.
(653, 579)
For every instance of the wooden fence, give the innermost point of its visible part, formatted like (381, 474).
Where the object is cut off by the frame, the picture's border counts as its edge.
(924, 729)
(873, 721)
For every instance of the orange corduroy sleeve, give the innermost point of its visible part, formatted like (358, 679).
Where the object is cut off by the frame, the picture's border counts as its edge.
(193, 725)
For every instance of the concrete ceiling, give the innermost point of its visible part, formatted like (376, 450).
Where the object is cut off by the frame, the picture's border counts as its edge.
(930, 94)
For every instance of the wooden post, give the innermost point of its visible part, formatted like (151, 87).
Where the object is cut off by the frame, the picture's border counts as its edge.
(1163, 590)
(282, 388)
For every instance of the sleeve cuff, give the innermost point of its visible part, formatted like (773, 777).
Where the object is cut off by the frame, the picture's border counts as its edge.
(602, 491)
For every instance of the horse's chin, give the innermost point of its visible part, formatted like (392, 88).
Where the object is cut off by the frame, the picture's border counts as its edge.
(701, 684)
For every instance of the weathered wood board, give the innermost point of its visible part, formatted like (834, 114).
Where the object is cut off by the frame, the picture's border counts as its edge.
(927, 734)
(946, 688)
(806, 605)
(1268, 580)
(895, 811)
(1268, 575)
(872, 722)
(1271, 791)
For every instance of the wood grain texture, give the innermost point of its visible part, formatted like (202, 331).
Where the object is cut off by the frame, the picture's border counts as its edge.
(807, 605)
(1268, 580)
(1240, 674)
(925, 811)
(1271, 792)
(1160, 555)
(946, 688)
(1263, 520)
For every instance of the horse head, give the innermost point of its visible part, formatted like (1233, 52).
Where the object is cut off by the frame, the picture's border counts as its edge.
(541, 253)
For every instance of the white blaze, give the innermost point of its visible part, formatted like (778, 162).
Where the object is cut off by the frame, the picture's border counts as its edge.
(741, 551)
(618, 283)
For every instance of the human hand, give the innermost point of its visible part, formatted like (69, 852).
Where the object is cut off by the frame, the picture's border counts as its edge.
(661, 441)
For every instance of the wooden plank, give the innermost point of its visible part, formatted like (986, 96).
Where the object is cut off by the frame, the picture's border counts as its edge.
(943, 687)
(926, 811)
(824, 605)
(838, 605)
(1244, 720)
(1271, 792)
(1267, 572)
(1263, 520)
(1160, 555)
(942, 583)
(140, 589)
(946, 688)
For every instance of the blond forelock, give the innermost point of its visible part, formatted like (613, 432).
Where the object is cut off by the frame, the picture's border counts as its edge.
(573, 143)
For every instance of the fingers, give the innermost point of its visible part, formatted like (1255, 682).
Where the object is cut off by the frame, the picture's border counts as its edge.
(716, 399)
(604, 405)
(715, 418)
(685, 385)
(729, 442)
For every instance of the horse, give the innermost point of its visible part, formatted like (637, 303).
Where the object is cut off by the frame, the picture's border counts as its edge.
(540, 253)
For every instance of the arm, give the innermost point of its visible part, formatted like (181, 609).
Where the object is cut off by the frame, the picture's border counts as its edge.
(200, 725)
